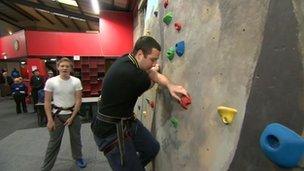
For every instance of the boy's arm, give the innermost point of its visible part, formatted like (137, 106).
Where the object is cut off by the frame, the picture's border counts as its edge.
(78, 101)
(48, 105)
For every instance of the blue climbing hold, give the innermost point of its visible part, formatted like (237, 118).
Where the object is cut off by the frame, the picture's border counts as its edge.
(282, 145)
(180, 48)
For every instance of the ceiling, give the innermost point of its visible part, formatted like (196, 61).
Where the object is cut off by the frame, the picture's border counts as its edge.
(51, 15)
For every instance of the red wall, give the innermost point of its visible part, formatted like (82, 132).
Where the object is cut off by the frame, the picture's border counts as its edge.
(62, 44)
(115, 39)
(116, 29)
(24, 71)
(7, 46)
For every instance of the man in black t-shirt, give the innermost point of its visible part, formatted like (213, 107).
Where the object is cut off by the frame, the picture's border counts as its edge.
(126, 143)
(37, 83)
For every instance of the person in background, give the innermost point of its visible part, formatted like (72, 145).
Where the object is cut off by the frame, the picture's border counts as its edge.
(19, 92)
(66, 91)
(15, 73)
(50, 74)
(41, 92)
(41, 96)
(6, 82)
(37, 84)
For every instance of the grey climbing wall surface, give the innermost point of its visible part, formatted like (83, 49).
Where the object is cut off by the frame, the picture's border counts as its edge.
(242, 54)
(276, 93)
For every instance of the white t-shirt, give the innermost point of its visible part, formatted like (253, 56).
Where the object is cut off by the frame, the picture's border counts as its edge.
(63, 91)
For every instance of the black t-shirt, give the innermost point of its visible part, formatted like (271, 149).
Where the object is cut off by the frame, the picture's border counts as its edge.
(36, 82)
(123, 84)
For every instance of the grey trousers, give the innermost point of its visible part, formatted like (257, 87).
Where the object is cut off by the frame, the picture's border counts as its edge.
(56, 138)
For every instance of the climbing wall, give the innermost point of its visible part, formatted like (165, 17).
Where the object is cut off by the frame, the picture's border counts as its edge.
(242, 54)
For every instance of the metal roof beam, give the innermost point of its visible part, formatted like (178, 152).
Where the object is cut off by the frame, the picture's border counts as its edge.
(19, 10)
(75, 24)
(55, 15)
(72, 20)
(54, 10)
(80, 9)
(9, 17)
(11, 23)
(43, 16)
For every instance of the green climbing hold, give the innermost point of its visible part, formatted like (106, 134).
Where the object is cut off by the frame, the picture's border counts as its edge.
(168, 18)
(174, 121)
(170, 53)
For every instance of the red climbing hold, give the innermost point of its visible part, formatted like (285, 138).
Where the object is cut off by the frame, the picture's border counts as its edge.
(177, 26)
(166, 2)
(185, 102)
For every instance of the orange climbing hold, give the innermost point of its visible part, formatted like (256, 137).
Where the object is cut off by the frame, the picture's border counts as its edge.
(185, 102)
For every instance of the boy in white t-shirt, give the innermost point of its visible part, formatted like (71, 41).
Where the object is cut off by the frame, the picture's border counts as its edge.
(65, 90)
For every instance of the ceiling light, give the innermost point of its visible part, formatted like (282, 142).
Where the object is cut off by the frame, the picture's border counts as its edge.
(22, 63)
(95, 6)
(68, 2)
(76, 18)
(5, 57)
(53, 59)
(61, 15)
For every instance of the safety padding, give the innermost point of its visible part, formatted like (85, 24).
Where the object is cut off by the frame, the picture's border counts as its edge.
(180, 48)
(282, 145)
(168, 18)
(170, 53)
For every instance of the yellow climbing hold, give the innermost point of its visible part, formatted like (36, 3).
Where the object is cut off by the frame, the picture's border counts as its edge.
(227, 114)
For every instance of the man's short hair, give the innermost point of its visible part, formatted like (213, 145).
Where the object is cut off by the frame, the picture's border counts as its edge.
(64, 60)
(146, 44)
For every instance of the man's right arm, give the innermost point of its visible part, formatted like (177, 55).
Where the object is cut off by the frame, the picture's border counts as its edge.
(48, 105)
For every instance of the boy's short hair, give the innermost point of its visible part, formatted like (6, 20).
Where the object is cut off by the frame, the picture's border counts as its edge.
(64, 60)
